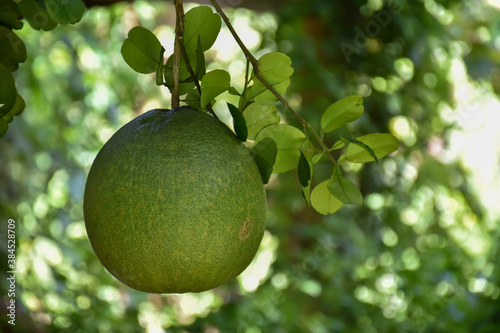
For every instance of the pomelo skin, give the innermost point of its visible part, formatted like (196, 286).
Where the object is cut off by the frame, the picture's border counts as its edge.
(174, 203)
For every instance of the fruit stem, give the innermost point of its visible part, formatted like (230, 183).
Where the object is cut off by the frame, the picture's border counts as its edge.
(255, 64)
(179, 33)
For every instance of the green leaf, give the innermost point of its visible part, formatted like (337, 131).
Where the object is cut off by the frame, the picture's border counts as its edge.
(276, 70)
(338, 145)
(3, 127)
(8, 92)
(342, 112)
(264, 154)
(12, 49)
(17, 109)
(323, 201)
(344, 190)
(304, 170)
(64, 11)
(193, 99)
(141, 50)
(258, 116)
(288, 140)
(233, 91)
(9, 15)
(201, 21)
(200, 60)
(184, 74)
(382, 144)
(37, 17)
(239, 124)
(160, 69)
(213, 84)
(362, 145)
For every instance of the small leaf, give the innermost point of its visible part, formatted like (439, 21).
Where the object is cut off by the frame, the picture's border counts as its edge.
(288, 140)
(160, 68)
(10, 15)
(203, 22)
(193, 99)
(264, 154)
(342, 112)
(261, 94)
(213, 84)
(304, 170)
(141, 50)
(200, 61)
(362, 145)
(239, 124)
(184, 74)
(233, 91)
(3, 127)
(344, 190)
(337, 145)
(382, 144)
(323, 201)
(258, 116)
(64, 11)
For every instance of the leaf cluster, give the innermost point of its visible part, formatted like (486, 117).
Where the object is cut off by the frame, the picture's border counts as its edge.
(40, 15)
(277, 147)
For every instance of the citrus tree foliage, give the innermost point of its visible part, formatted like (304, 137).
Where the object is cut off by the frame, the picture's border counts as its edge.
(286, 145)
(420, 255)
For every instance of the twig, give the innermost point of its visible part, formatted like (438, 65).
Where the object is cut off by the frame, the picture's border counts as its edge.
(255, 64)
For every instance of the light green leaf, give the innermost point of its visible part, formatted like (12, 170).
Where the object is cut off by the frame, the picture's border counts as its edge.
(342, 112)
(276, 70)
(184, 74)
(264, 154)
(382, 144)
(193, 99)
(64, 11)
(337, 145)
(239, 124)
(344, 190)
(141, 50)
(258, 116)
(323, 201)
(288, 140)
(213, 84)
(201, 21)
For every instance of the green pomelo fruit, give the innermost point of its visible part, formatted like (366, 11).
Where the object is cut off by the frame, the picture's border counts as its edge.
(174, 203)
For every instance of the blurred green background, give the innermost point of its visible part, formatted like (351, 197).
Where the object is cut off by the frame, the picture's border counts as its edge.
(421, 254)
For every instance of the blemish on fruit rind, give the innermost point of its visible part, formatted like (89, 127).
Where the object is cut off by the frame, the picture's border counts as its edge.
(245, 229)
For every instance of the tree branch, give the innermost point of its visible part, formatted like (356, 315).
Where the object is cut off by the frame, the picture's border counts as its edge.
(176, 67)
(255, 64)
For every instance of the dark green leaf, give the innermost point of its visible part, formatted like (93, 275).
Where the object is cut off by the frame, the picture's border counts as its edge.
(141, 50)
(37, 17)
(3, 127)
(12, 49)
(344, 190)
(9, 15)
(304, 170)
(364, 146)
(239, 124)
(203, 22)
(264, 154)
(8, 92)
(200, 60)
(382, 144)
(323, 201)
(342, 112)
(160, 68)
(64, 11)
